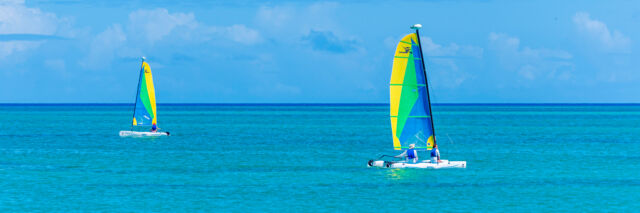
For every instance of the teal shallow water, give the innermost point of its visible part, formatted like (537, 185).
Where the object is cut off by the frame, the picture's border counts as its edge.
(313, 158)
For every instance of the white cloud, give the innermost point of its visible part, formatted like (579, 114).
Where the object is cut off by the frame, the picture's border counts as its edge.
(147, 28)
(237, 33)
(16, 18)
(274, 17)
(598, 30)
(527, 71)
(153, 25)
(289, 22)
(530, 63)
(10, 2)
(7, 48)
(447, 72)
(323, 7)
(104, 47)
(505, 43)
(430, 48)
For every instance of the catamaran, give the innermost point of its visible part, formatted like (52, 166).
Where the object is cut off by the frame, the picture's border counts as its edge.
(411, 117)
(144, 111)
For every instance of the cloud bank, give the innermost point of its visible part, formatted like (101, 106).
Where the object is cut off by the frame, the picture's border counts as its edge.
(329, 42)
(530, 63)
(23, 28)
(598, 31)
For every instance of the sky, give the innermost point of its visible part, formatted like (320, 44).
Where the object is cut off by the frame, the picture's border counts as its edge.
(68, 51)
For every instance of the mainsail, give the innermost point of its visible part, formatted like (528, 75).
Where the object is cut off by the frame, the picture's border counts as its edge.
(411, 121)
(144, 113)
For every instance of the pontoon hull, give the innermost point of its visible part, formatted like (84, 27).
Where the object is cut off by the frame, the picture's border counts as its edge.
(142, 134)
(419, 165)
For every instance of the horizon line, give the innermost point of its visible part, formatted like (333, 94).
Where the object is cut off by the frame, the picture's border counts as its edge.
(316, 104)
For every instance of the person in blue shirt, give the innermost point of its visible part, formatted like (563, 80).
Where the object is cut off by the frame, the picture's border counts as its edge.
(154, 128)
(435, 154)
(411, 154)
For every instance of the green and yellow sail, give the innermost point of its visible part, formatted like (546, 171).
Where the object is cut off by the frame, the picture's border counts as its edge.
(144, 113)
(410, 114)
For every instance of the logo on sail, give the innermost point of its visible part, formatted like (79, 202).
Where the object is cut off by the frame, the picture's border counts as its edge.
(406, 50)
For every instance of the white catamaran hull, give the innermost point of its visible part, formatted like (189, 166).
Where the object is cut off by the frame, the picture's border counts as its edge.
(421, 165)
(142, 134)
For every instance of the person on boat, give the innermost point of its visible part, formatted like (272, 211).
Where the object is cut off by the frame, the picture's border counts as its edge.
(435, 154)
(154, 128)
(411, 154)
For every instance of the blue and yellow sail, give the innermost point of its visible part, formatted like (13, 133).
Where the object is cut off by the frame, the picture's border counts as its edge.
(145, 108)
(410, 114)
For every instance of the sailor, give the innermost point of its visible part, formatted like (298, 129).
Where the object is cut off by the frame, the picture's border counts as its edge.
(154, 128)
(435, 154)
(411, 154)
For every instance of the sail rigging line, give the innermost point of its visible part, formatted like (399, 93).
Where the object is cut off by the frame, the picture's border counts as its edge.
(450, 142)
(424, 71)
(135, 103)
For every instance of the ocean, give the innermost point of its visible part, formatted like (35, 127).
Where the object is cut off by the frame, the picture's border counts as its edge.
(312, 158)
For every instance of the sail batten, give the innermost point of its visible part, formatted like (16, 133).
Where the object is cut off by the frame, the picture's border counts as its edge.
(145, 107)
(409, 105)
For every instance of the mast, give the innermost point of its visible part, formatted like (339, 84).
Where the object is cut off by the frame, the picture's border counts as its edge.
(135, 102)
(426, 82)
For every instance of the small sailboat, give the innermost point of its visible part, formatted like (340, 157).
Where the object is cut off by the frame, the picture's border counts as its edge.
(144, 111)
(411, 121)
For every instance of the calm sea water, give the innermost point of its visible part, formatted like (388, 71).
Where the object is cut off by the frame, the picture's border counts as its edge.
(313, 158)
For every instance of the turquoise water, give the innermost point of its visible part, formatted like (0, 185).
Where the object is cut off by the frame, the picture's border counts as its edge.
(313, 158)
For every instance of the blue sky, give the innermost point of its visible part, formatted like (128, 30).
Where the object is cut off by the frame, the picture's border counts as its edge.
(317, 51)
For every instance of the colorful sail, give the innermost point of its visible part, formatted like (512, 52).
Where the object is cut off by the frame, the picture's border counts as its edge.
(145, 109)
(410, 114)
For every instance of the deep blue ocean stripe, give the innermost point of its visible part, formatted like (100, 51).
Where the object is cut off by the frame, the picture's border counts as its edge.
(320, 104)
